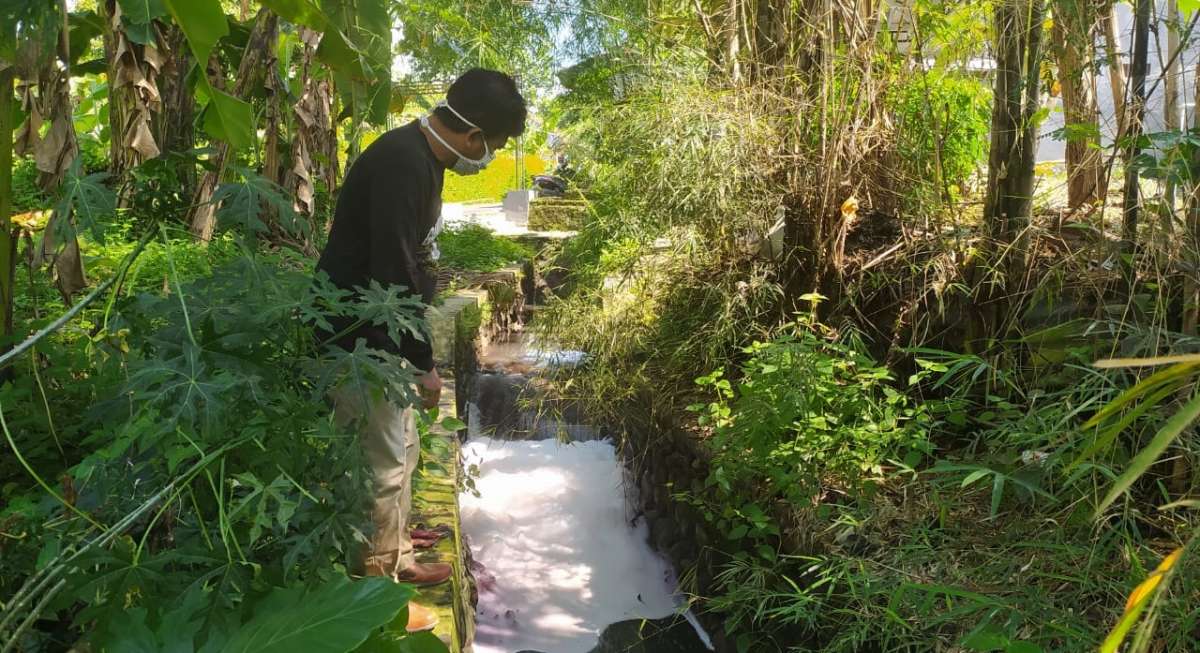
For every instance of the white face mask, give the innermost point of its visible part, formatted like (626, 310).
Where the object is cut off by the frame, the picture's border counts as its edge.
(463, 165)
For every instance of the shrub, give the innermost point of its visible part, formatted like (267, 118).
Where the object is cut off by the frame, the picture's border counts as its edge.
(474, 247)
(942, 128)
(807, 412)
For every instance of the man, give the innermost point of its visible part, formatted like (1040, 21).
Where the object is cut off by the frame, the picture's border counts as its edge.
(389, 204)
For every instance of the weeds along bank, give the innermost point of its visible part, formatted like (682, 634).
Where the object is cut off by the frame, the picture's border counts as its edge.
(854, 467)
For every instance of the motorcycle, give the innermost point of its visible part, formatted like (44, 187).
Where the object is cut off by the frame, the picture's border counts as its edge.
(549, 185)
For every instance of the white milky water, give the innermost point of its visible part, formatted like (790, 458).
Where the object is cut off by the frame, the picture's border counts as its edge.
(560, 559)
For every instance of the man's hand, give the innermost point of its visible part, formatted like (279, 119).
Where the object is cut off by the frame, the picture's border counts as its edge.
(429, 386)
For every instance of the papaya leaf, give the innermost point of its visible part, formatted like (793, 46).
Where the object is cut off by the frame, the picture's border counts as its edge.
(393, 307)
(87, 199)
(242, 203)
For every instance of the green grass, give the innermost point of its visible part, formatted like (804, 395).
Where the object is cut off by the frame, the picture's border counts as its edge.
(476, 248)
(491, 184)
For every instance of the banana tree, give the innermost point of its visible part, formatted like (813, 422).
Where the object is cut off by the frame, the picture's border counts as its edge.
(136, 50)
(42, 54)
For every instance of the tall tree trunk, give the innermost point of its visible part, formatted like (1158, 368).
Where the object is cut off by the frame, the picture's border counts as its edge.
(8, 236)
(1135, 114)
(1073, 35)
(1009, 201)
(274, 158)
(1116, 66)
(771, 28)
(203, 217)
(1172, 114)
(733, 40)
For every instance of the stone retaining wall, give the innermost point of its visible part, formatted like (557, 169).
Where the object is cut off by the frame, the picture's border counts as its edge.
(667, 462)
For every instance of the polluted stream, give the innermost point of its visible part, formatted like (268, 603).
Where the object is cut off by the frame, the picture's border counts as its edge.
(561, 561)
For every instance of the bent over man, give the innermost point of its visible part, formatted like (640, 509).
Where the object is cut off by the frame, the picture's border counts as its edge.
(383, 228)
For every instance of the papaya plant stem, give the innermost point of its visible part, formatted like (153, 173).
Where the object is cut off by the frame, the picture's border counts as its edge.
(187, 321)
(33, 615)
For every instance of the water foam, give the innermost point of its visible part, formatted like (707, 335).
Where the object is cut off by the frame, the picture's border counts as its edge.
(560, 560)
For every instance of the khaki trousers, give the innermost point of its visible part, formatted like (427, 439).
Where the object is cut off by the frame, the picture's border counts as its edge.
(393, 447)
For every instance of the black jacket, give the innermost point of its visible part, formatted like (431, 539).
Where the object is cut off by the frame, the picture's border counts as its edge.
(389, 202)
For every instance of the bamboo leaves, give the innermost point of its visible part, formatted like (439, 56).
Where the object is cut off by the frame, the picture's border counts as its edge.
(1155, 388)
(1150, 453)
(1138, 600)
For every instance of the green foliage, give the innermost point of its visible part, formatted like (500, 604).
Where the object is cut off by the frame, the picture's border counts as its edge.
(138, 17)
(444, 38)
(204, 24)
(362, 65)
(229, 119)
(27, 196)
(204, 428)
(87, 200)
(244, 203)
(161, 187)
(477, 248)
(806, 412)
(677, 159)
(942, 134)
(333, 618)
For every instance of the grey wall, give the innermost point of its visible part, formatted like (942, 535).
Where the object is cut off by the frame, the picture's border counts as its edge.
(1054, 150)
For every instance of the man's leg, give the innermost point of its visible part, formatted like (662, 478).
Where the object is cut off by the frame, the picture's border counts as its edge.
(410, 571)
(392, 445)
(389, 451)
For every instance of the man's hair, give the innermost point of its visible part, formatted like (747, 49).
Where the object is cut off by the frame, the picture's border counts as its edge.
(489, 99)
